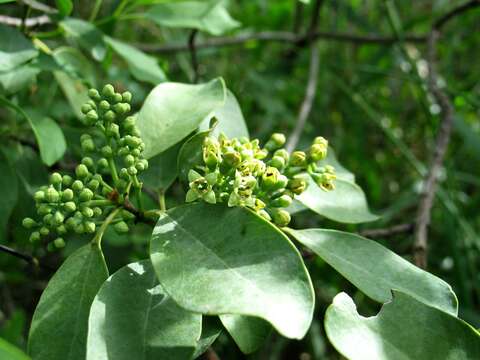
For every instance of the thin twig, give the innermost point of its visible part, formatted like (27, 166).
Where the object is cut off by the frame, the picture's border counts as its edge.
(307, 101)
(282, 36)
(28, 258)
(386, 232)
(29, 22)
(193, 54)
(420, 245)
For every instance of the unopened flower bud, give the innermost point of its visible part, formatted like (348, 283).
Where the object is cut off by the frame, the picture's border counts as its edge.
(59, 243)
(55, 178)
(67, 180)
(67, 195)
(87, 212)
(77, 185)
(127, 96)
(270, 178)
(70, 206)
(81, 171)
(52, 195)
(102, 163)
(93, 94)
(39, 196)
(276, 141)
(108, 90)
(121, 227)
(282, 201)
(29, 223)
(107, 151)
(281, 217)
(86, 195)
(58, 218)
(298, 158)
(277, 162)
(297, 185)
(317, 152)
(34, 237)
(104, 105)
(89, 227)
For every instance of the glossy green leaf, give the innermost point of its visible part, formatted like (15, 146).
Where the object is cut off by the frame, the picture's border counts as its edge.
(15, 49)
(132, 318)
(74, 63)
(142, 66)
(217, 260)
(190, 154)
(86, 35)
(249, 333)
(10, 352)
(209, 16)
(75, 92)
(49, 135)
(347, 203)
(18, 78)
(376, 270)
(64, 7)
(405, 329)
(62, 313)
(230, 119)
(172, 111)
(8, 194)
(340, 170)
(211, 330)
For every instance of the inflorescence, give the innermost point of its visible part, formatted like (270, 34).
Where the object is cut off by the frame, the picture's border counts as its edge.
(79, 203)
(239, 172)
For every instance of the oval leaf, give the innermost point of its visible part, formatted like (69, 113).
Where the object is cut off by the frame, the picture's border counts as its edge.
(404, 329)
(210, 16)
(218, 260)
(173, 110)
(190, 154)
(15, 49)
(10, 352)
(347, 203)
(132, 318)
(62, 312)
(249, 333)
(376, 270)
(142, 66)
(86, 35)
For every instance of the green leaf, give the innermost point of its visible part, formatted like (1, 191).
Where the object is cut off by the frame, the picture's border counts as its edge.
(209, 16)
(172, 111)
(49, 135)
(10, 352)
(75, 92)
(132, 318)
(18, 78)
(340, 171)
(8, 194)
(211, 330)
(405, 329)
(249, 333)
(347, 203)
(74, 63)
(142, 66)
(190, 154)
(217, 260)
(230, 119)
(86, 35)
(65, 7)
(15, 50)
(376, 270)
(62, 313)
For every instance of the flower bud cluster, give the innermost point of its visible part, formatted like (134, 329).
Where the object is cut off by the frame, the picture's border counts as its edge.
(80, 202)
(240, 172)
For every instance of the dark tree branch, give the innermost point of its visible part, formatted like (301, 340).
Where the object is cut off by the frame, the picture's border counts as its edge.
(28, 258)
(193, 54)
(420, 245)
(282, 36)
(386, 232)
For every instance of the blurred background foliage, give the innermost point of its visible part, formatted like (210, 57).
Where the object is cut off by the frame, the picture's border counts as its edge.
(371, 102)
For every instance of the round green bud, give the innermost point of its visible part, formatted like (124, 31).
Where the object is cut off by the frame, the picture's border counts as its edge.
(67, 194)
(70, 223)
(89, 227)
(70, 206)
(102, 163)
(104, 105)
(298, 158)
(121, 227)
(34, 237)
(109, 115)
(117, 97)
(121, 108)
(140, 166)
(123, 151)
(92, 116)
(297, 185)
(277, 162)
(77, 185)
(135, 152)
(55, 178)
(281, 183)
(270, 178)
(129, 122)
(282, 201)
(85, 137)
(88, 162)
(97, 177)
(135, 131)
(39, 196)
(321, 140)
(79, 228)
(276, 141)
(67, 180)
(44, 231)
(86, 195)
(124, 173)
(52, 195)
(44, 209)
(86, 108)
(93, 184)
(264, 214)
(317, 152)
(133, 141)
(61, 229)
(282, 153)
(58, 218)
(29, 223)
(59, 243)
(129, 160)
(93, 94)
(97, 211)
(87, 145)
(281, 217)
(126, 215)
(127, 96)
(113, 130)
(87, 212)
(81, 171)
(132, 170)
(107, 151)
(108, 90)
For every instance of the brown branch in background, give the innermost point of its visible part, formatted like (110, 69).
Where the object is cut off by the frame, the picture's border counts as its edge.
(298, 16)
(193, 54)
(386, 232)
(28, 258)
(29, 22)
(420, 245)
(282, 36)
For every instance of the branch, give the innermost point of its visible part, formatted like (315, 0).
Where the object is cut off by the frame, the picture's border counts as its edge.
(28, 258)
(307, 101)
(439, 23)
(30, 22)
(281, 36)
(193, 54)
(386, 232)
